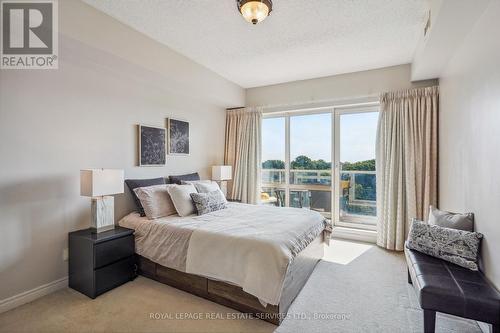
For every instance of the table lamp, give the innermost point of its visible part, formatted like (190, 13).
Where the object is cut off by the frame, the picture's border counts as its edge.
(221, 174)
(100, 184)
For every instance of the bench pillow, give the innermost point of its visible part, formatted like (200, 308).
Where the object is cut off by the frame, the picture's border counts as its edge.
(132, 184)
(209, 202)
(451, 220)
(456, 246)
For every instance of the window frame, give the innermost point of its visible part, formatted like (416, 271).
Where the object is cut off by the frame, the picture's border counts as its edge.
(359, 222)
(356, 222)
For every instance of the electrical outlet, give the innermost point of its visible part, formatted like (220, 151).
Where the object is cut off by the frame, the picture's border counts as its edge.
(65, 254)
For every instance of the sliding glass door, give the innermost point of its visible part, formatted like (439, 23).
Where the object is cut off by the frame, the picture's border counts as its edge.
(355, 136)
(322, 160)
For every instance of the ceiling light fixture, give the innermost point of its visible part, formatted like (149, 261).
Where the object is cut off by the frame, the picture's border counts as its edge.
(255, 11)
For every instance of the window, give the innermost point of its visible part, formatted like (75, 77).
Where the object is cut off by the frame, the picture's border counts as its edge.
(273, 165)
(297, 170)
(311, 162)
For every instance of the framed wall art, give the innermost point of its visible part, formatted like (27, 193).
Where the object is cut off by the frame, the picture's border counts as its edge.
(152, 146)
(178, 136)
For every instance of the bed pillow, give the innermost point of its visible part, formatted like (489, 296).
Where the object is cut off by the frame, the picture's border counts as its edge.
(209, 202)
(180, 195)
(204, 186)
(457, 246)
(156, 201)
(194, 182)
(178, 179)
(132, 184)
(451, 220)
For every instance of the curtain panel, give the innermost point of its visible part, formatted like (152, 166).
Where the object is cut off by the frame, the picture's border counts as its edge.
(406, 162)
(243, 153)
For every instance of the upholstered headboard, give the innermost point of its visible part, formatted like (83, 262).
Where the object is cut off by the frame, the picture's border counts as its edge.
(124, 203)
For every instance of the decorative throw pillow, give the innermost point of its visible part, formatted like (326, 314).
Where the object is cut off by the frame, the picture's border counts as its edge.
(209, 202)
(180, 195)
(178, 179)
(457, 246)
(132, 184)
(451, 220)
(156, 201)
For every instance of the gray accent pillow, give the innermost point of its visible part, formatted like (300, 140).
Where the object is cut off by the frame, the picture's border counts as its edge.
(209, 202)
(132, 184)
(456, 246)
(451, 220)
(178, 179)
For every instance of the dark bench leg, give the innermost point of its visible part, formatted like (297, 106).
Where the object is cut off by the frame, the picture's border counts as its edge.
(429, 321)
(409, 277)
(495, 329)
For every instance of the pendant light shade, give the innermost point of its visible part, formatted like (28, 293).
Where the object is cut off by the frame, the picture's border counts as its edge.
(255, 11)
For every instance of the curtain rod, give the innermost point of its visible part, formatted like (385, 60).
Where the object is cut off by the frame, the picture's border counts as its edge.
(340, 103)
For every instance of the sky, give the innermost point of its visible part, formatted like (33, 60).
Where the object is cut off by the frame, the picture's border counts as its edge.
(310, 135)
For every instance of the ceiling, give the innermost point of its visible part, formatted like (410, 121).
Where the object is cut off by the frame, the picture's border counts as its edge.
(301, 39)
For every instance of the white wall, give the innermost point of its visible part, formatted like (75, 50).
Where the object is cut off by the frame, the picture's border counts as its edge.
(83, 115)
(470, 134)
(350, 86)
(451, 20)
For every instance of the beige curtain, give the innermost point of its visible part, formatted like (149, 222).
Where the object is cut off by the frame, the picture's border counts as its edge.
(243, 153)
(406, 162)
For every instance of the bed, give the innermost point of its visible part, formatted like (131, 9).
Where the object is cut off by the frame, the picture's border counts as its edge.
(255, 259)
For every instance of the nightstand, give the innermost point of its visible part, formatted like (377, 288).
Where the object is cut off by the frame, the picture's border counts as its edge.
(101, 262)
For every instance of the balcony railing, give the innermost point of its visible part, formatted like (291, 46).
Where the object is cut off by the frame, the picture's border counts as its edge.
(297, 176)
(312, 189)
(358, 193)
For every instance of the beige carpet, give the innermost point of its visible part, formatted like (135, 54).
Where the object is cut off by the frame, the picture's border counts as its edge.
(125, 309)
(363, 287)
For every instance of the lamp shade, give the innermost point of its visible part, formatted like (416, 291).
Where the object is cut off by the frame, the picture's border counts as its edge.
(222, 172)
(99, 182)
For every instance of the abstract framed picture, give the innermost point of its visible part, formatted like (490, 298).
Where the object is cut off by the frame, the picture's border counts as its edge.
(152, 142)
(178, 136)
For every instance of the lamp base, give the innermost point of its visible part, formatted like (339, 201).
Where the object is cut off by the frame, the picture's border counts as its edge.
(103, 214)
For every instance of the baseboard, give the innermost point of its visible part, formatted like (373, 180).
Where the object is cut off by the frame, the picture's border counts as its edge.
(368, 236)
(31, 295)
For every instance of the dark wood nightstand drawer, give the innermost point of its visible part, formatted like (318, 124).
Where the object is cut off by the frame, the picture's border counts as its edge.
(98, 262)
(111, 276)
(111, 251)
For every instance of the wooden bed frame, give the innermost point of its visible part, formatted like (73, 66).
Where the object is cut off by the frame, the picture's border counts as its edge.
(233, 296)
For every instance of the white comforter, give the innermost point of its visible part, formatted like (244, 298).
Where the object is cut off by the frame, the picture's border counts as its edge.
(247, 245)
